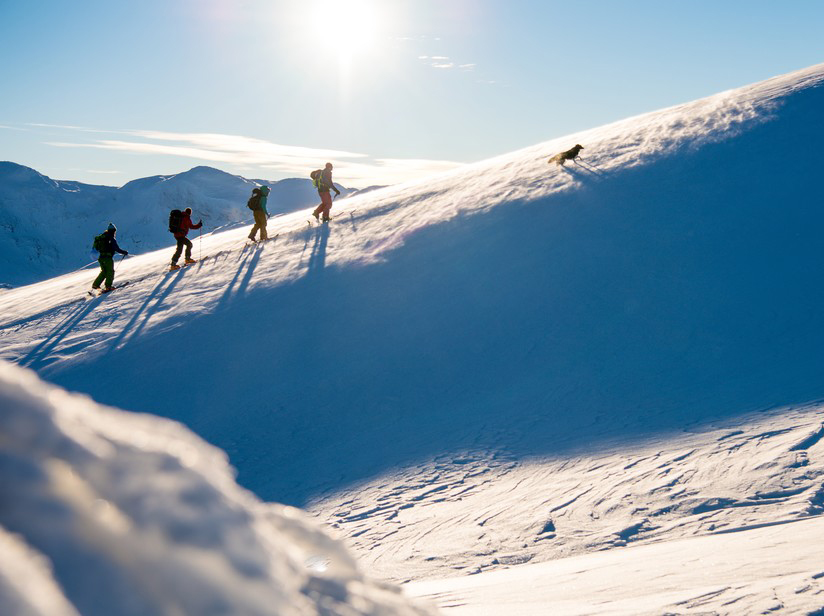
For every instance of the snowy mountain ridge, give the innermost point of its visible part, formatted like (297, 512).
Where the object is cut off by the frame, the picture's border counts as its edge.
(514, 366)
(49, 223)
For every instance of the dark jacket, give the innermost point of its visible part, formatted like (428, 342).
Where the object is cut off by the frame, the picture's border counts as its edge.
(186, 224)
(110, 247)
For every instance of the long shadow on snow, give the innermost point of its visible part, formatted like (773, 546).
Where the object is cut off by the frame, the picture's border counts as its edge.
(249, 255)
(37, 358)
(150, 305)
(317, 260)
(650, 300)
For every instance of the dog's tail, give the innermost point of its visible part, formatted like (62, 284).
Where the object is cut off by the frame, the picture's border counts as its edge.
(554, 159)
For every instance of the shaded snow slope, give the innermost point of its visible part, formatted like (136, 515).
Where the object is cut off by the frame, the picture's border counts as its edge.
(506, 320)
(41, 219)
(110, 513)
(48, 225)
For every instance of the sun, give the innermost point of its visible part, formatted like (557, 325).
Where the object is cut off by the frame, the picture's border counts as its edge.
(345, 29)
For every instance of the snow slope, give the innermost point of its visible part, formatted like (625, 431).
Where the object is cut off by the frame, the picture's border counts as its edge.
(115, 513)
(508, 363)
(50, 223)
(767, 570)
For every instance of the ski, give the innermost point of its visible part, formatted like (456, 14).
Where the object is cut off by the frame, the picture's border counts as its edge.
(321, 221)
(174, 268)
(99, 292)
(261, 241)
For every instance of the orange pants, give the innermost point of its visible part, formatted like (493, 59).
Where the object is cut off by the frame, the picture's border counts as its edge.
(325, 205)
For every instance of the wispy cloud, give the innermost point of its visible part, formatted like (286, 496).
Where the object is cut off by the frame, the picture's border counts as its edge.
(216, 148)
(83, 129)
(445, 62)
(353, 168)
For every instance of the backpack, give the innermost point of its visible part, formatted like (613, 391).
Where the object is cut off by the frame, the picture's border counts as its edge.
(175, 218)
(101, 242)
(254, 202)
(317, 179)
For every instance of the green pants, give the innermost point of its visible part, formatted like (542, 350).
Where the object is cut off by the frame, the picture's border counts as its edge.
(106, 271)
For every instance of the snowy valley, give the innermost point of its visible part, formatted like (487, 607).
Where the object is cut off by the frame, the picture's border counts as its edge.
(511, 388)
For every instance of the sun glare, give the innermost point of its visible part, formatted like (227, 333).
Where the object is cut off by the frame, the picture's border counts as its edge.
(345, 28)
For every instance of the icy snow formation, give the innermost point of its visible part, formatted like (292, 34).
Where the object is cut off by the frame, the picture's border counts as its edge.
(111, 513)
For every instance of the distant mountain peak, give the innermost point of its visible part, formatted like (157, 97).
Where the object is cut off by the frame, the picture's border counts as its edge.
(205, 171)
(14, 172)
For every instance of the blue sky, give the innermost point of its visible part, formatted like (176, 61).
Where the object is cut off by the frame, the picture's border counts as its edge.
(105, 92)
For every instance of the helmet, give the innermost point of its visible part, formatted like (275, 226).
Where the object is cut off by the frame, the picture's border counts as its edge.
(264, 190)
(111, 228)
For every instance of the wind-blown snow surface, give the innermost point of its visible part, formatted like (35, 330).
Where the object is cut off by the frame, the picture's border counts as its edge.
(112, 513)
(48, 225)
(509, 363)
(766, 570)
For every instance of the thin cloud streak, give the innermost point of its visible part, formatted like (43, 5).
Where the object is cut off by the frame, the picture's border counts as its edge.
(353, 169)
(81, 129)
(445, 62)
(240, 144)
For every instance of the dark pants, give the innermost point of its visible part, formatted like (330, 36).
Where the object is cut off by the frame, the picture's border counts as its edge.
(106, 271)
(181, 242)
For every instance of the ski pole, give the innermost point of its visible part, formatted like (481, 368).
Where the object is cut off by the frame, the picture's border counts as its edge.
(119, 262)
(200, 242)
(95, 262)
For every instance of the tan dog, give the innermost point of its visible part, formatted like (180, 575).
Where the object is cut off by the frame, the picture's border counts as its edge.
(570, 154)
